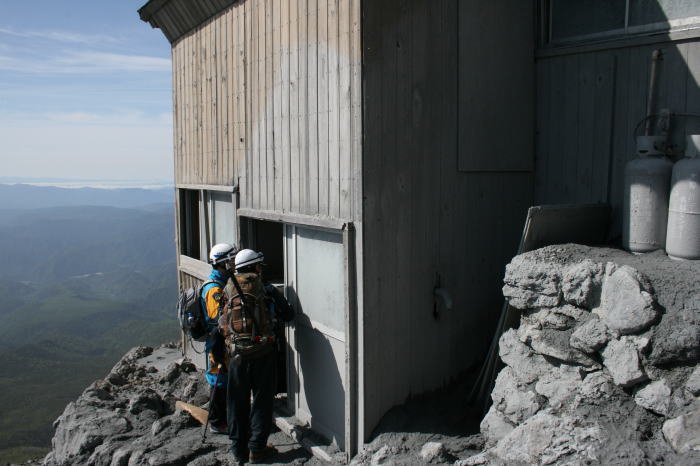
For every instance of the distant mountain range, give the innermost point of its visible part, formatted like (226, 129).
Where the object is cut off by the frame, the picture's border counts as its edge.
(26, 196)
(85, 274)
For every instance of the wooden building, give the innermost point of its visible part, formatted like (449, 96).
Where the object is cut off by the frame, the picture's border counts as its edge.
(378, 151)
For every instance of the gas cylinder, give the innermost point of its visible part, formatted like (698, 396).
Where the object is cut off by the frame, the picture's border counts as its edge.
(647, 185)
(683, 235)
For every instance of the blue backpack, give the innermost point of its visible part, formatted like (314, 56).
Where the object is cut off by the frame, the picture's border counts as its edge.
(190, 314)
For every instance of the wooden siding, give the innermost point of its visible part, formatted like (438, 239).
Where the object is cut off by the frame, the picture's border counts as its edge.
(426, 223)
(588, 104)
(268, 93)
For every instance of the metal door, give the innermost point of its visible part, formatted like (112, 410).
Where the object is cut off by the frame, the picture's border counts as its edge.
(315, 279)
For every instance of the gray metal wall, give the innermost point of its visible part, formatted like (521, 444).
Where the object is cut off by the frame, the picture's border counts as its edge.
(429, 215)
(589, 100)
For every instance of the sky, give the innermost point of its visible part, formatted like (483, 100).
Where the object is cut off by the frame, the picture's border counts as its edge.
(85, 92)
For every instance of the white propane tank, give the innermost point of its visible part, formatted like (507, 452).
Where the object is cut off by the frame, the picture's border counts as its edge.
(683, 236)
(647, 183)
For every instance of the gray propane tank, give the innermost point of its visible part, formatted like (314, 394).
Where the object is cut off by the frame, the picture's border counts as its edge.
(647, 183)
(683, 236)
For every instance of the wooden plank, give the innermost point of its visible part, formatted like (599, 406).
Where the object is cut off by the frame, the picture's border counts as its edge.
(199, 414)
(294, 218)
(585, 128)
(371, 109)
(621, 137)
(542, 128)
(294, 105)
(333, 110)
(245, 136)
(672, 88)
(231, 44)
(198, 156)
(207, 105)
(277, 105)
(692, 125)
(487, 85)
(323, 85)
(303, 110)
(558, 138)
(269, 197)
(221, 100)
(311, 201)
(603, 126)
(400, 186)
(261, 190)
(189, 111)
(569, 151)
(356, 102)
(345, 111)
(283, 191)
(385, 259)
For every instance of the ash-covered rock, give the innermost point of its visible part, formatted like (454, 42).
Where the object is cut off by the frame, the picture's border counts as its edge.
(603, 368)
(130, 418)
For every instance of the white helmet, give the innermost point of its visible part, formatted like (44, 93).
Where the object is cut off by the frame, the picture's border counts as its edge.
(248, 257)
(222, 252)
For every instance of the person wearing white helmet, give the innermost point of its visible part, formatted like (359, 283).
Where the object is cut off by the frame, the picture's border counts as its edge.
(250, 425)
(213, 299)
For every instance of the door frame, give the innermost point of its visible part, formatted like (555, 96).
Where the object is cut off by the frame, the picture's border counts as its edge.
(348, 336)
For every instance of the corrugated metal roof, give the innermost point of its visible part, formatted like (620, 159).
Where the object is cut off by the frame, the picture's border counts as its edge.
(178, 17)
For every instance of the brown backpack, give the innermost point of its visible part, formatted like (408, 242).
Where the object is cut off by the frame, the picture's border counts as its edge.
(246, 323)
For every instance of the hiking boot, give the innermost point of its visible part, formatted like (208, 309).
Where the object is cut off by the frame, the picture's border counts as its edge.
(258, 456)
(219, 428)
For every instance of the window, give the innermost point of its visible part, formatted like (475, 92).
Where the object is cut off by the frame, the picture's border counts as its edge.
(268, 238)
(207, 217)
(578, 21)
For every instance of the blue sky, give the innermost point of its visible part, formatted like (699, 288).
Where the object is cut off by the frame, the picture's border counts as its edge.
(85, 91)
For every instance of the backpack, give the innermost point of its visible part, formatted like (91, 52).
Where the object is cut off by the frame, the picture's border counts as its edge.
(190, 314)
(246, 323)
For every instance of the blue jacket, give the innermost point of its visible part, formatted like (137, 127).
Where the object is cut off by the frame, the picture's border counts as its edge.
(215, 338)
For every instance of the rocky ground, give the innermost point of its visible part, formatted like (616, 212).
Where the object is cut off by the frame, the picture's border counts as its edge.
(130, 419)
(603, 369)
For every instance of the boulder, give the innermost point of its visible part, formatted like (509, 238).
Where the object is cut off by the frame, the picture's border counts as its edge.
(590, 336)
(677, 337)
(513, 400)
(627, 304)
(622, 360)
(555, 344)
(546, 438)
(597, 387)
(527, 365)
(693, 382)
(582, 282)
(559, 385)
(432, 451)
(494, 426)
(655, 397)
(530, 283)
(683, 432)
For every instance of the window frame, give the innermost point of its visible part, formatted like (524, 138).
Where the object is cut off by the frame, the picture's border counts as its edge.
(205, 210)
(687, 24)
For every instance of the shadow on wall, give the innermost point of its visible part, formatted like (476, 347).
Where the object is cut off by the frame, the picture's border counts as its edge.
(593, 92)
(321, 394)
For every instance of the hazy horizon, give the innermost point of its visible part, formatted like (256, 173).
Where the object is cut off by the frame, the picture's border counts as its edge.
(85, 92)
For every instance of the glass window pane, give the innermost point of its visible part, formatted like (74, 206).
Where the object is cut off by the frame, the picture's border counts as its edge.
(222, 224)
(577, 18)
(320, 276)
(660, 12)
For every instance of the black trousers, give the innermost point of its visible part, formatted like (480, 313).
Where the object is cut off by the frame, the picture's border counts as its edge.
(217, 410)
(250, 424)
